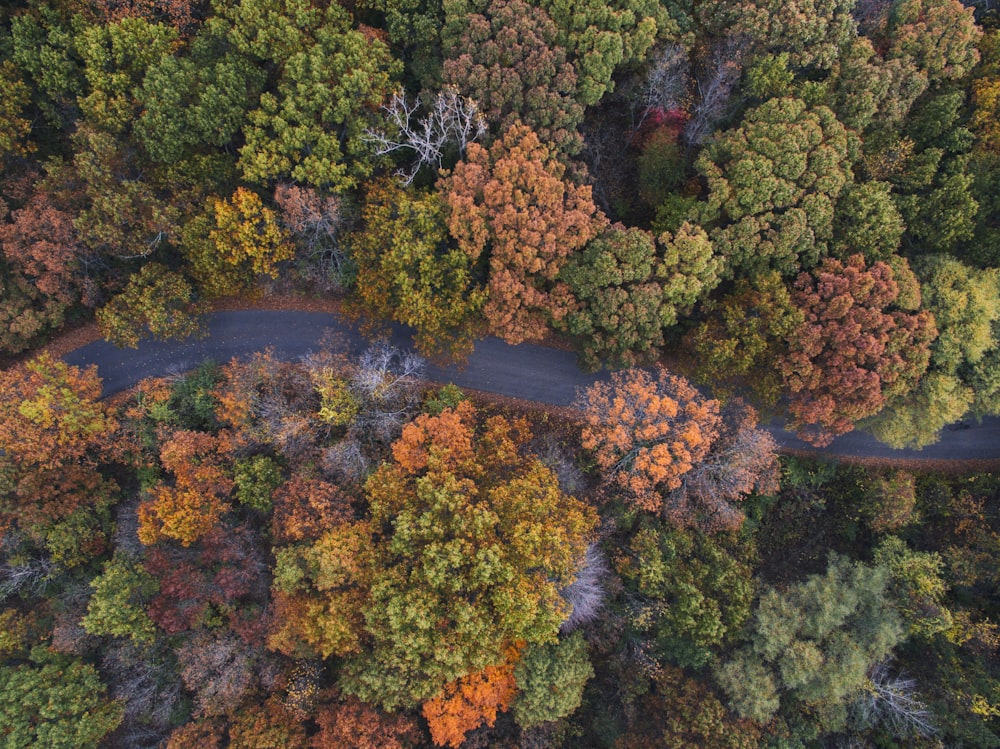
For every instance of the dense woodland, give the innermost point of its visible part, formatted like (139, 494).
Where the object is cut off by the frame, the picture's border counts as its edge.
(796, 201)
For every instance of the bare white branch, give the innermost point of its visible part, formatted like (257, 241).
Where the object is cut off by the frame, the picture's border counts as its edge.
(452, 119)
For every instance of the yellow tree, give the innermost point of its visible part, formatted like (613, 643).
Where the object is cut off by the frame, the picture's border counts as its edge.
(235, 242)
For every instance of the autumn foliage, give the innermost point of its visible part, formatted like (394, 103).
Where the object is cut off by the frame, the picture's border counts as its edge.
(855, 349)
(647, 431)
(470, 702)
(53, 430)
(191, 507)
(513, 206)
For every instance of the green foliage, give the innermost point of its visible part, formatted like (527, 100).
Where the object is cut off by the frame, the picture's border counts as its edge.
(916, 586)
(409, 271)
(118, 605)
(814, 643)
(157, 301)
(965, 303)
(256, 479)
(447, 396)
(867, 221)
(743, 335)
(198, 100)
(768, 76)
(630, 292)
(55, 702)
(776, 179)
(699, 590)
(331, 80)
(550, 680)
(44, 47)
(192, 398)
(116, 57)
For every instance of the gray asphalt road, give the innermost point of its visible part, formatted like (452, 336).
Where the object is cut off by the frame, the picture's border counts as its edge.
(525, 371)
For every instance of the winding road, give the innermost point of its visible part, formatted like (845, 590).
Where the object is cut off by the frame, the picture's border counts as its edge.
(527, 371)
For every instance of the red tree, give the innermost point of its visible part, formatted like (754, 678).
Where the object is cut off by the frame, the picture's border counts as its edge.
(855, 349)
(513, 205)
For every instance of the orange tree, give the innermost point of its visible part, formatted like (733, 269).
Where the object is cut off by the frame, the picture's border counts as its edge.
(855, 350)
(511, 209)
(671, 451)
(53, 430)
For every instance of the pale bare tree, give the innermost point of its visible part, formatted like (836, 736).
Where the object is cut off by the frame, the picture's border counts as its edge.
(890, 700)
(585, 594)
(715, 85)
(451, 120)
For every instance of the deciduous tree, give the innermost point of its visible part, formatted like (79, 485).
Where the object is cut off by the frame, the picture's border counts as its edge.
(743, 334)
(813, 644)
(503, 54)
(510, 208)
(647, 431)
(775, 180)
(409, 271)
(469, 702)
(198, 498)
(855, 350)
(629, 292)
(53, 430)
(156, 301)
(470, 534)
(55, 701)
(348, 723)
(550, 680)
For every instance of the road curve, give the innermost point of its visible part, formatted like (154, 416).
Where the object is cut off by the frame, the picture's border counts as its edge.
(525, 371)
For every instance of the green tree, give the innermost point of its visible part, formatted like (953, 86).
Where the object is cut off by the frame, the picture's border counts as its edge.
(808, 32)
(156, 301)
(775, 181)
(256, 479)
(550, 680)
(965, 303)
(743, 334)
(331, 80)
(473, 536)
(867, 221)
(409, 271)
(197, 100)
(56, 702)
(939, 36)
(811, 645)
(118, 604)
(697, 590)
(629, 292)
(116, 57)
(602, 37)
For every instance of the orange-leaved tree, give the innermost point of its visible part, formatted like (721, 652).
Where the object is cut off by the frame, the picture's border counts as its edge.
(53, 429)
(647, 431)
(513, 208)
(855, 350)
(471, 701)
(199, 497)
(674, 452)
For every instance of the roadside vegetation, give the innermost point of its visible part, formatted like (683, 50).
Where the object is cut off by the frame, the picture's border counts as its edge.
(796, 199)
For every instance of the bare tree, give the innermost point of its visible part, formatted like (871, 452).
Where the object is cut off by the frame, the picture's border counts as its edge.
(890, 701)
(315, 221)
(346, 460)
(386, 382)
(586, 593)
(715, 84)
(667, 83)
(451, 120)
(31, 576)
